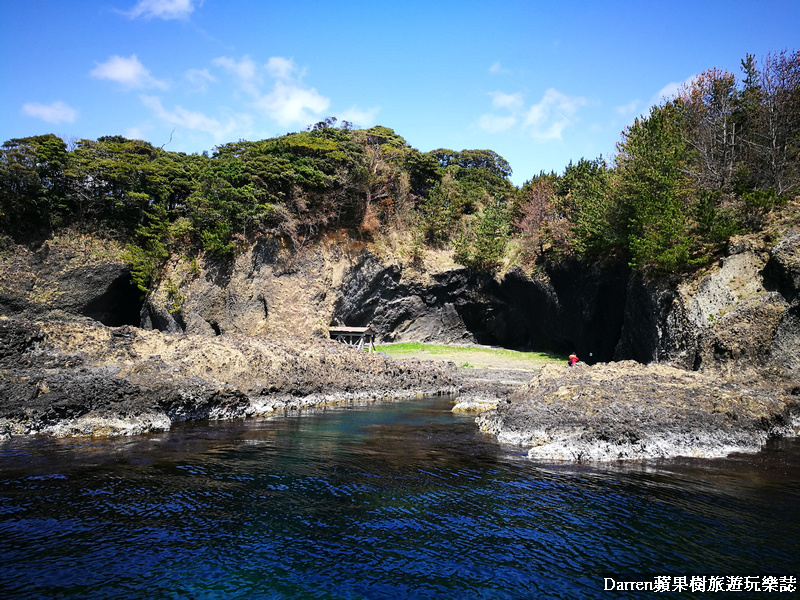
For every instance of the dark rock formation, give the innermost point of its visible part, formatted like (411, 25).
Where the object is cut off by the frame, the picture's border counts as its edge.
(570, 307)
(70, 279)
(738, 318)
(410, 309)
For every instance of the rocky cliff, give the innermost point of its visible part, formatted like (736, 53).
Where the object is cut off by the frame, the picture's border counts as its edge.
(69, 277)
(738, 318)
(246, 336)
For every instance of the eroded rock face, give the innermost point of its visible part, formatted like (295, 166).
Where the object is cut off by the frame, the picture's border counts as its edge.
(571, 307)
(401, 306)
(627, 410)
(742, 318)
(68, 378)
(67, 279)
(739, 319)
(266, 291)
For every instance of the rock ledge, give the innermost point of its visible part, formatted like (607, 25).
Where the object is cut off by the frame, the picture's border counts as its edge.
(625, 410)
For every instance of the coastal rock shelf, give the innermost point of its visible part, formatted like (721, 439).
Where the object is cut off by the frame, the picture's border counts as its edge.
(68, 378)
(625, 410)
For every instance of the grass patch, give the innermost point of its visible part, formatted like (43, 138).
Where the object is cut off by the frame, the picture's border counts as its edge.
(474, 356)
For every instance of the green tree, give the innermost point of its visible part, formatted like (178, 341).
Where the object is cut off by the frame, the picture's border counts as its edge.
(652, 190)
(585, 196)
(481, 244)
(33, 185)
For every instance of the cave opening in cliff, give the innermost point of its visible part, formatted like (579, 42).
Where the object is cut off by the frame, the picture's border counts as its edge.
(121, 304)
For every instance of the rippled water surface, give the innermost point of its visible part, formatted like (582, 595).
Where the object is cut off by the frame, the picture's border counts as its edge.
(397, 500)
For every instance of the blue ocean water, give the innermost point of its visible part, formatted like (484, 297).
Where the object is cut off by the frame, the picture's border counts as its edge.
(392, 500)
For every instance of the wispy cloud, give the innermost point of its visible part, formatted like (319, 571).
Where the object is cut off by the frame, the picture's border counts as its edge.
(628, 109)
(512, 102)
(194, 120)
(669, 91)
(497, 123)
(162, 9)
(128, 72)
(199, 79)
(543, 121)
(498, 69)
(547, 119)
(290, 104)
(55, 112)
(364, 118)
(289, 101)
(245, 68)
(283, 68)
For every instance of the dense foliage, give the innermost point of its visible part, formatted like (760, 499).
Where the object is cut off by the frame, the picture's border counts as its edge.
(699, 168)
(704, 166)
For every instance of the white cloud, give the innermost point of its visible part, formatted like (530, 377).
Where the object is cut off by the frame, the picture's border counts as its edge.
(129, 72)
(162, 9)
(628, 109)
(359, 117)
(56, 112)
(194, 120)
(498, 69)
(281, 68)
(668, 92)
(543, 121)
(513, 102)
(199, 79)
(497, 123)
(548, 119)
(245, 69)
(290, 104)
(137, 132)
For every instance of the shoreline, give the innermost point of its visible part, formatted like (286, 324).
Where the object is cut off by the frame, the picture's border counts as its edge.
(628, 411)
(86, 379)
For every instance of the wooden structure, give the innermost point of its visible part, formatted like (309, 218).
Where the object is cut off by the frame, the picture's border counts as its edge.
(354, 336)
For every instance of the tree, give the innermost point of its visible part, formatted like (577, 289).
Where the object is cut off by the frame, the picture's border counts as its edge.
(537, 213)
(710, 107)
(114, 180)
(584, 195)
(652, 190)
(441, 211)
(776, 140)
(481, 244)
(33, 185)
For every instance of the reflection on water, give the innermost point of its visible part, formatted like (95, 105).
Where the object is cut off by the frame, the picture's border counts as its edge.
(399, 500)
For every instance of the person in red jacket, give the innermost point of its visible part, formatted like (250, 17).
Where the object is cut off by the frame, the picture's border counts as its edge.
(573, 358)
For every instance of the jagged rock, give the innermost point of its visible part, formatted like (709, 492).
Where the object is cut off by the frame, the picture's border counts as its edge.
(739, 318)
(627, 410)
(245, 336)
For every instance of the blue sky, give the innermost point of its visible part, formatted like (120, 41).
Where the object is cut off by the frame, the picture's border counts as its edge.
(541, 83)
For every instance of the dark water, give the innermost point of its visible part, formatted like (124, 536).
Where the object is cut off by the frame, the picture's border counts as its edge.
(401, 500)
